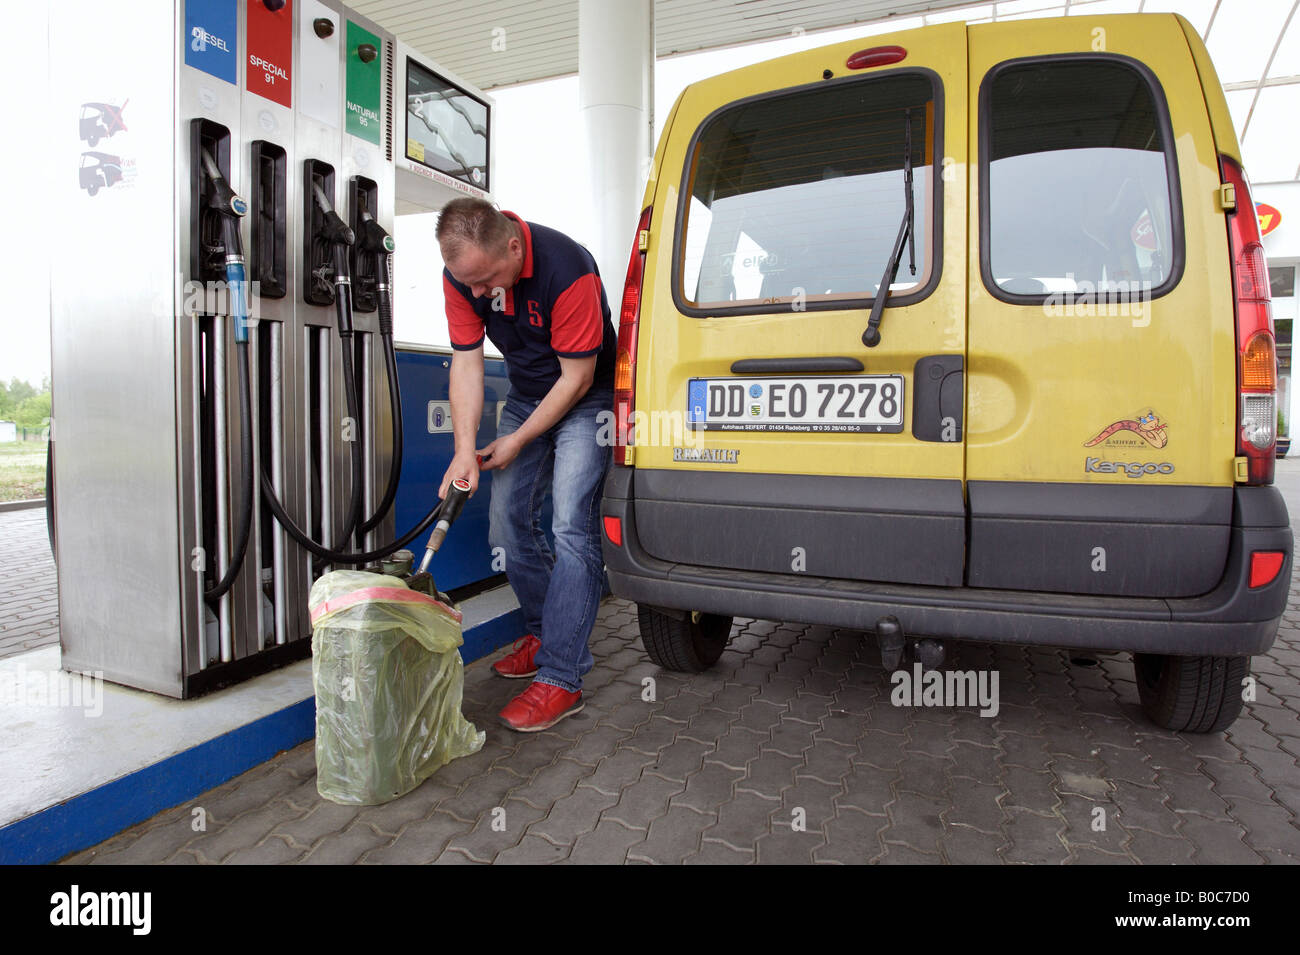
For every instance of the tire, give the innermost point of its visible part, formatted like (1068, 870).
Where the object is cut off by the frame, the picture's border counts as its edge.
(92, 188)
(1190, 694)
(49, 496)
(687, 646)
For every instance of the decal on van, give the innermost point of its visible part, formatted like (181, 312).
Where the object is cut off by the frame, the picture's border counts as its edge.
(1146, 426)
(711, 455)
(1134, 469)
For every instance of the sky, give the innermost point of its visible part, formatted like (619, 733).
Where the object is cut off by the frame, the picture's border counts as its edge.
(548, 112)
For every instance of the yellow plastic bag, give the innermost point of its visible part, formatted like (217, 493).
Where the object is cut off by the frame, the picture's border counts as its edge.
(389, 683)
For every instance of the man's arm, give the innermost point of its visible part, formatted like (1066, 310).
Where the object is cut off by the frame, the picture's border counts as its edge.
(576, 375)
(466, 393)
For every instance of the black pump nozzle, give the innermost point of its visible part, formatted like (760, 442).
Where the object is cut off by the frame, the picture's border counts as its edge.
(332, 228)
(224, 201)
(221, 197)
(452, 504)
(374, 240)
(336, 233)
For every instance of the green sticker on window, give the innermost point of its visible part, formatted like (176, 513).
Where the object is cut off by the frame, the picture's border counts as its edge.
(365, 73)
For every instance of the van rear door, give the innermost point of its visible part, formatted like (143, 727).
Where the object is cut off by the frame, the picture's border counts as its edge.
(769, 436)
(1102, 359)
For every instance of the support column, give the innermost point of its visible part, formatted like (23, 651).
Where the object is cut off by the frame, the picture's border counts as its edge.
(616, 61)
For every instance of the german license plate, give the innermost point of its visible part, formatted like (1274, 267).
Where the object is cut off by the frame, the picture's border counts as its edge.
(872, 403)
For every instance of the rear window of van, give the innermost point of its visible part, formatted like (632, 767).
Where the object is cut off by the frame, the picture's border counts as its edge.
(794, 200)
(1077, 179)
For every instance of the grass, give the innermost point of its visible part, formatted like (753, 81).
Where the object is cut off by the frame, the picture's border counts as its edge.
(22, 471)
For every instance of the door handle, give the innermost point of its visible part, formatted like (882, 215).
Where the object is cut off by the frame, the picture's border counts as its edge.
(795, 366)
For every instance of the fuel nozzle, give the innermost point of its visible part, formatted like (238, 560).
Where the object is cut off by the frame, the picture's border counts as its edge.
(336, 233)
(222, 198)
(452, 504)
(375, 240)
(231, 207)
(332, 228)
(225, 202)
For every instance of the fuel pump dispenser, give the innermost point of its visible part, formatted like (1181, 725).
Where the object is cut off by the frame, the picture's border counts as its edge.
(222, 325)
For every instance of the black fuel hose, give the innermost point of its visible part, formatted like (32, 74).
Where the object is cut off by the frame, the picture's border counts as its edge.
(375, 241)
(223, 201)
(395, 464)
(49, 494)
(343, 310)
(242, 534)
(334, 556)
(354, 453)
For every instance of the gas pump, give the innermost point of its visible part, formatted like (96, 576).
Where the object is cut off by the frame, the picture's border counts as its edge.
(230, 417)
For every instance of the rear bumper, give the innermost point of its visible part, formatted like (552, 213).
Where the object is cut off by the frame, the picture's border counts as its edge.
(1230, 620)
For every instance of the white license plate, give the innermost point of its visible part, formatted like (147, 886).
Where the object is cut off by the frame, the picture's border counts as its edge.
(872, 403)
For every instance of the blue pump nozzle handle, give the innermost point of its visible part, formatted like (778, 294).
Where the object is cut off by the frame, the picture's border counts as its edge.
(231, 208)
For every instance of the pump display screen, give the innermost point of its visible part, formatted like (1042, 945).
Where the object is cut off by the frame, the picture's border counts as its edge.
(446, 127)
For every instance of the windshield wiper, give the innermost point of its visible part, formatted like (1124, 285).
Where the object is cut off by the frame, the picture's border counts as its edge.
(871, 337)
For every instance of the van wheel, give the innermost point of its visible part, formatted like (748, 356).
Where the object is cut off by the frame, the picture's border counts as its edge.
(1190, 694)
(689, 645)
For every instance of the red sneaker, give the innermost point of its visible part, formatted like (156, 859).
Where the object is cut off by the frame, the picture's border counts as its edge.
(519, 663)
(540, 707)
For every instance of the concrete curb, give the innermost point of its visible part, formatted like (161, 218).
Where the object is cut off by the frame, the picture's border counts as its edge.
(20, 505)
(88, 818)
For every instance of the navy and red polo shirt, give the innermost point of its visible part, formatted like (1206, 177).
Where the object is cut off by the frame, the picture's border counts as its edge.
(556, 309)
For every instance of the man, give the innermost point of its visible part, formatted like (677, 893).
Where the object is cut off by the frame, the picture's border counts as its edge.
(537, 295)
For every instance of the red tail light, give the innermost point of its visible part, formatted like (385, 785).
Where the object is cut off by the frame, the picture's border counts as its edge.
(876, 56)
(614, 530)
(1256, 345)
(1264, 566)
(625, 364)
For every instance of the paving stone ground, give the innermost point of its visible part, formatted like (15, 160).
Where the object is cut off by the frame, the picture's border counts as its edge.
(746, 763)
(789, 750)
(29, 597)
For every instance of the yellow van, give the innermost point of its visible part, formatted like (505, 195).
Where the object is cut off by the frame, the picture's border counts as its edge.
(959, 333)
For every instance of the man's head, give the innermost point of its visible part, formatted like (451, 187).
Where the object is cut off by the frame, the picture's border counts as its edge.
(481, 247)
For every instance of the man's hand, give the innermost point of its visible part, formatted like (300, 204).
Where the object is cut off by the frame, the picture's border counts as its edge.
(466, 394)
(501, 452)
(463, 465)
(575, 379)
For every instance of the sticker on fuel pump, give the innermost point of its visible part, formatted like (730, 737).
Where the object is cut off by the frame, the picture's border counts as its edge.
(270, 52)
(211, 28)
(363, 85)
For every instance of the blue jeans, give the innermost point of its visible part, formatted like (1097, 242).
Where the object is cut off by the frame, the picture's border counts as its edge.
(558, 591)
